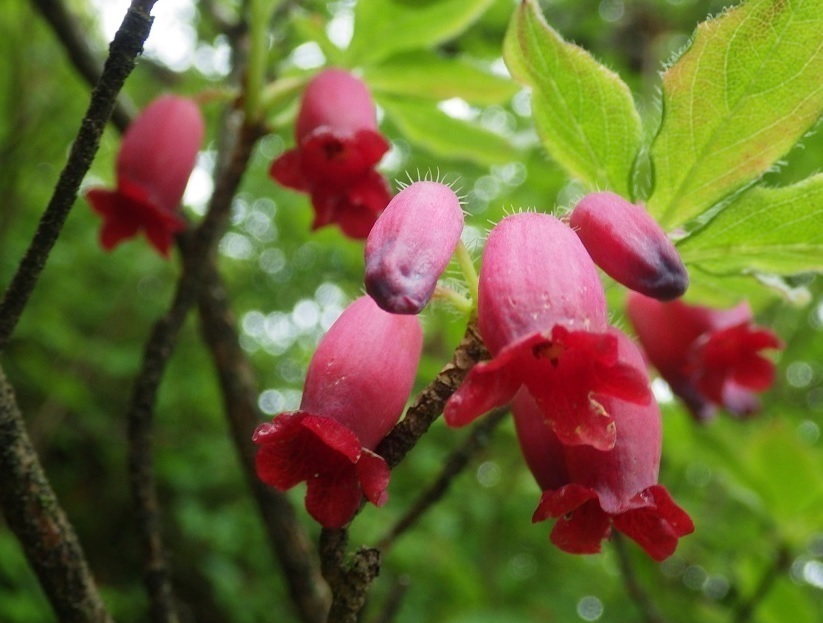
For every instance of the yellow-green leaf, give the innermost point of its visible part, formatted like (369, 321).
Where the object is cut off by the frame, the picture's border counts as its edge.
(772, 230)
(583, 112)
(747, 89)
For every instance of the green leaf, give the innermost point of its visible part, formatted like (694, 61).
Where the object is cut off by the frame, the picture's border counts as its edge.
(773, 230)
(421, 122)
(742, 95)
(584, 112)
(385, 27)
(787, 472)
(425, 74)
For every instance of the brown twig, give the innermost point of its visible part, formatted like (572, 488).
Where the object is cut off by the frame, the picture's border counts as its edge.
(633, 587)
(429, 404)
(34, 514)
(350, 580)
(124, 49)
(289, 541)
(455, 463)
(156, 354)
(309, 592)
(75, 42)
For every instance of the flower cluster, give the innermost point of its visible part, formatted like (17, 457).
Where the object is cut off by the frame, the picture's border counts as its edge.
(362, 372)
(589, 490)
(587, 423)
(154, 163)
(338, 146)
(709, 357)
(579, 388)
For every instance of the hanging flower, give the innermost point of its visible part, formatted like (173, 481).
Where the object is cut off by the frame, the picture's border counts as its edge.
(154, 163)
(590, 491)
(628, 244)
(542, 315)
(356, 387)
(709, 357)
(410, 246)
(338, 146)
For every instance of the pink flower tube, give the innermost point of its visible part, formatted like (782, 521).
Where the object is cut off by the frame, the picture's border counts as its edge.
(542, 315)
(628, 244)
(357, 385)
(338, 146)
(590, 491)
(154, 163)
(410, 246)
(709, 357)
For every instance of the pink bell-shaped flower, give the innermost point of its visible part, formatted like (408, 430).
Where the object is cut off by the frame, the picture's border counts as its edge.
(709, 357)
(357, 385)
(542, 315)
(589, 491)
(410, 246)
(338, 146)
(155, 160)
(628, 244)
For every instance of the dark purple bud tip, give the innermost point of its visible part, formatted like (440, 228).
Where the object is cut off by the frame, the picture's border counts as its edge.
(628, 244)
(410, 246)
(391, 292)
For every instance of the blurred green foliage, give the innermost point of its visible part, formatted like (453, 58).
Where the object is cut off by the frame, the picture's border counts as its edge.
(753, 488)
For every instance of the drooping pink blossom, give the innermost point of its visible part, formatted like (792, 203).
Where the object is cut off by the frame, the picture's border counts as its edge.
(353, 209)
(628, 244)
(542, 315)
(590, 491)
(338, 146)
(154, 163)
(709, 357)
(410, 246)
(357, 384)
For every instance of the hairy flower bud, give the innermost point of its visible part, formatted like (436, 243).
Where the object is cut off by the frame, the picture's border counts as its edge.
(154, 163)
(358, 382)
(542, 315)
(410, 246)
(709, 357)
(628, 244)
(588, 490)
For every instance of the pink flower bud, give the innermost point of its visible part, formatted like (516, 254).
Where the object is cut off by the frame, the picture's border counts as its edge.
(356, 387)
(410, 246)
(709, 357)
(588, 490)
(338, 146)
(542, 315)
(536, 274)
(154, 163)
(628, 244)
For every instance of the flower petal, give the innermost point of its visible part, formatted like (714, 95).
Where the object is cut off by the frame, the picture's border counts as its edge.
(298, 446)
(374, 475)
(657, 525)
(332, 499)
(558, 502)
(286, 171)
(488, 385)
(583, 530)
